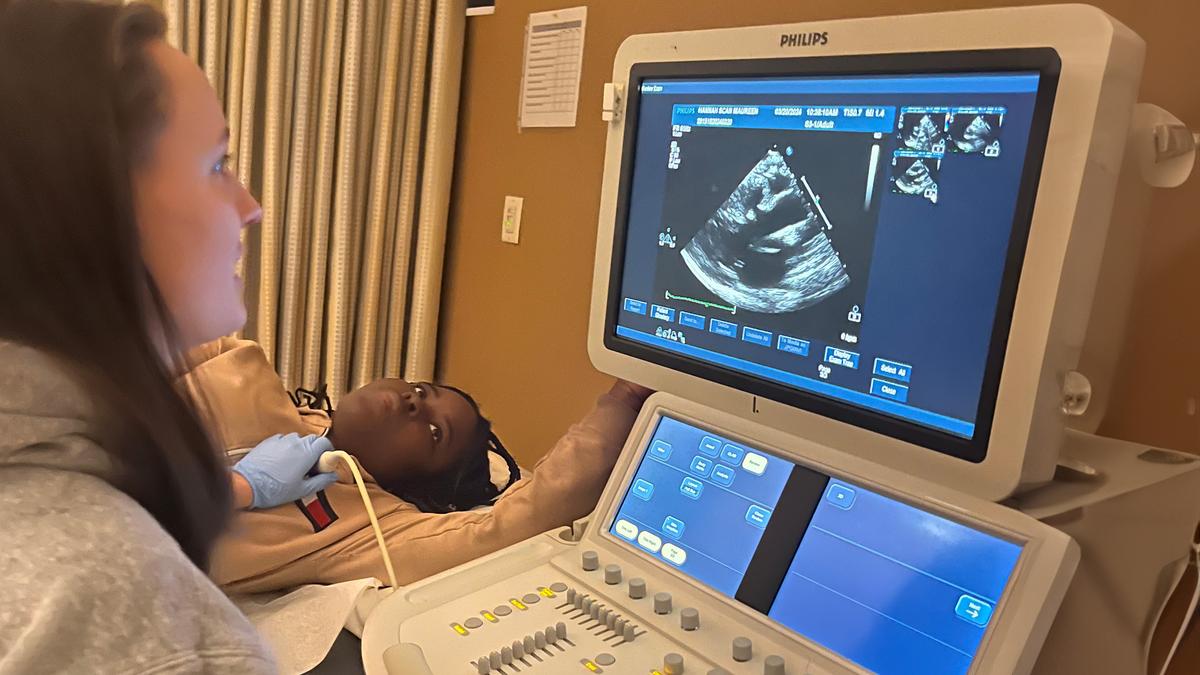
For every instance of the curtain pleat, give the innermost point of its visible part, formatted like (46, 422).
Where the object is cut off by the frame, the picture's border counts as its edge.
(342, 116)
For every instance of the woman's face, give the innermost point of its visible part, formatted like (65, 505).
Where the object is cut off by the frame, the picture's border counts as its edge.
(191, 208)
(401, 431)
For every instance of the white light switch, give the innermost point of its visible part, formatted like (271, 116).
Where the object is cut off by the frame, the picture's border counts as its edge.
(510, 223)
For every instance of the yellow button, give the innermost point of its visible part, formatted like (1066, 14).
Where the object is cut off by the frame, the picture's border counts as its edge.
(518, 604)
(655, 672)
(489, 616)
(545, 592)
(459, 628)
(591, 666)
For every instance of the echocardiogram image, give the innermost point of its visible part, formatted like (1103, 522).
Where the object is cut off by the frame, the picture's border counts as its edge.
(916, 174)
(975, 131)
(765, 248)
(922, 129)
(775, 223)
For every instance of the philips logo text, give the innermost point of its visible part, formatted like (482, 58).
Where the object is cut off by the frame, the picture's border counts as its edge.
(803, 39)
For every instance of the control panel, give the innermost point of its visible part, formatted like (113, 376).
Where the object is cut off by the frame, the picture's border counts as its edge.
(723, 547)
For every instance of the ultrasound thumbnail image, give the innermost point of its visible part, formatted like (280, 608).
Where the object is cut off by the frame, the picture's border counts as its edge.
(975, 133)
(923, 130)
(765, 249)
(916, 174)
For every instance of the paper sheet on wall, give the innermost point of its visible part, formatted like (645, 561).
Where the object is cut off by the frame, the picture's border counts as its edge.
(553, 59)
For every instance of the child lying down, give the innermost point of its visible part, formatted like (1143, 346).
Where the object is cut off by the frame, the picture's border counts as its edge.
(423, 447)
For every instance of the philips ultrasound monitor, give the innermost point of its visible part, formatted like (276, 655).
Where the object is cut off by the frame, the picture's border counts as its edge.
(880, 235)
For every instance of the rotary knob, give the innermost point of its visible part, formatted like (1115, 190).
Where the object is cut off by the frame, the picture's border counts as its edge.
(612, 574)
(743, 649)
(637, 588)
(689, 618)
(662, 603)
(591, 561)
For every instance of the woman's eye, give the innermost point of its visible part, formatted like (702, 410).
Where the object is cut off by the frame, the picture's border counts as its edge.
(436, 433)
(224, 166)
(420, 389)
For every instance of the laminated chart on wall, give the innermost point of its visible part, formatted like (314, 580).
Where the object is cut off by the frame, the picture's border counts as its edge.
(553, 59)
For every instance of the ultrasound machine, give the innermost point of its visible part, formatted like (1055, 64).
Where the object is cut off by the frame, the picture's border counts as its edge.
(858, 260)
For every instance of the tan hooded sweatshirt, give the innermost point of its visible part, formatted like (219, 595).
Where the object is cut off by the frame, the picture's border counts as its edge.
(328, 538)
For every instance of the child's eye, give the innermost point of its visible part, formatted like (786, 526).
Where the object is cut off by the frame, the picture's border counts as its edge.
(436, 433)
(224, 166)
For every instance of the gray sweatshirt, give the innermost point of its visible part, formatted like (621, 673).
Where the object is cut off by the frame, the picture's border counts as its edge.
(89, 581)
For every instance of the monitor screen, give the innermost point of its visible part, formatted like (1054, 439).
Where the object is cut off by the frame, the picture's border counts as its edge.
(881, 582)
(841, 234)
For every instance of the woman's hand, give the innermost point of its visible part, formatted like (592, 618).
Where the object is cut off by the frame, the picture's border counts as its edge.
(276, 471)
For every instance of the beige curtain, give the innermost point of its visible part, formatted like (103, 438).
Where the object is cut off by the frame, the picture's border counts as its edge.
(342, 117)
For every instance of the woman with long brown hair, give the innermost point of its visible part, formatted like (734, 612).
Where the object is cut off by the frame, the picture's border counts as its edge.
(120, 223)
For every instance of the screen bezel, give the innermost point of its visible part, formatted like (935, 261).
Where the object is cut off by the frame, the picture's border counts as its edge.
(1045, 61)
(935, 507)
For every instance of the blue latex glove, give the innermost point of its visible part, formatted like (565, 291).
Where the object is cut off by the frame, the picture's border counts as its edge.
(277, 469)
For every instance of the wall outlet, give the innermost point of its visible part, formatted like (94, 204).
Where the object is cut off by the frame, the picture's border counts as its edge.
(510, 221)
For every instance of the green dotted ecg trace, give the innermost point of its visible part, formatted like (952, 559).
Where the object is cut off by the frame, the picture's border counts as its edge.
(705, 303)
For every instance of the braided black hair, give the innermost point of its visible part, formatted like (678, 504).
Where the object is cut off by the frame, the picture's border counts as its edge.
(466, 485)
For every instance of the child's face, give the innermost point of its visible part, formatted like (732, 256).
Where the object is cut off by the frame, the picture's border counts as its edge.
(401, 431)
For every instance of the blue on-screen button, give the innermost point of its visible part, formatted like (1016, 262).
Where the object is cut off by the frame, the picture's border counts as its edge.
(643, 489)
(722, 475)
(757, 516)
(840, 495)
(890, 390)
(756, 336)
(973, 610)
(893, 370)
(792, 345)
(691, 320)
(673, 527)
(841, 357)
(723, 328)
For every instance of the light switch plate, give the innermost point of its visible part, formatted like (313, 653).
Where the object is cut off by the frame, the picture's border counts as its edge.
(510, 222)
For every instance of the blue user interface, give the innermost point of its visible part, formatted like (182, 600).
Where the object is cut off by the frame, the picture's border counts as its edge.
(843, 236)
(891, 587)
(887, 585)
(701, 502)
